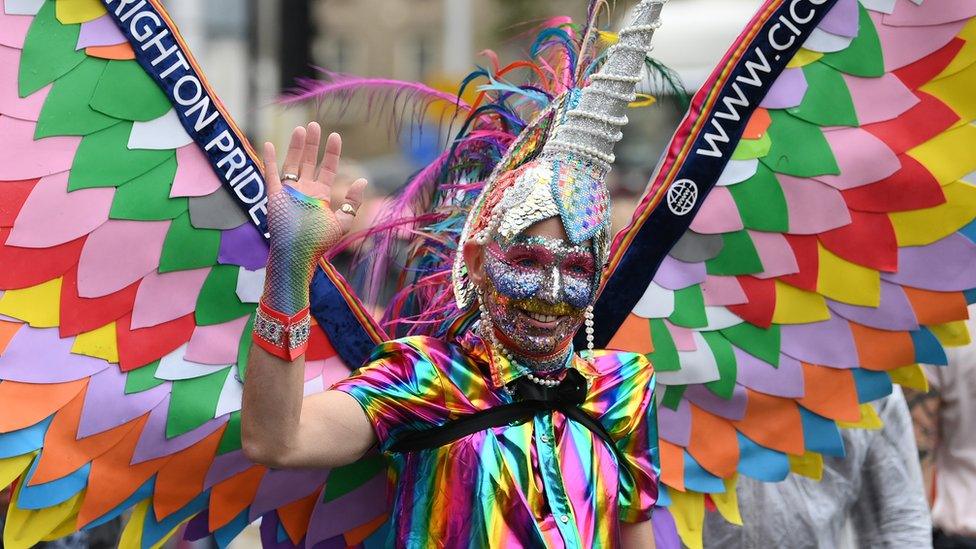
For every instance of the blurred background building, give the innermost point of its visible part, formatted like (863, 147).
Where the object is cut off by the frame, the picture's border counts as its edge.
(252, 51)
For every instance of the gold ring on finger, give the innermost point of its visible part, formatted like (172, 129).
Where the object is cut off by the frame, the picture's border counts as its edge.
(348, 208)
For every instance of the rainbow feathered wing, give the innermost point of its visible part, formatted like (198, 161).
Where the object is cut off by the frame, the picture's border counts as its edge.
(807, 241)
(128, 283)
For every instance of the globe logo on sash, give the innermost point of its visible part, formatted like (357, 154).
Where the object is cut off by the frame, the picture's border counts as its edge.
(682, 196)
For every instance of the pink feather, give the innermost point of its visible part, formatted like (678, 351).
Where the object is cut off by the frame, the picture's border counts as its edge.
(344, 87)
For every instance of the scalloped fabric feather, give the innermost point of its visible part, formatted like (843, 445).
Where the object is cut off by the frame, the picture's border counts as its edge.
(856, 252)
(127, 299)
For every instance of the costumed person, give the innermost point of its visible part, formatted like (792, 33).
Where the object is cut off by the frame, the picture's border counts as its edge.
(502, 434)
(805, 241)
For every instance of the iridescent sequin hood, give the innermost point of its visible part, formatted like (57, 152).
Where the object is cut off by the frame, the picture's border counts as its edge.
(566, 178)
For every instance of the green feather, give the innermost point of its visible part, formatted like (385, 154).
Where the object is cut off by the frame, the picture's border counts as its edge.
(244, 348)
(347, 478)
(142, 379)
(187, 247)
(104, 159)
(665, 81)
(761, 202)
(762, 343)
(738, 256)
(664, 358)
(49, 51)
(828, 101)
(672, 396)
(799, 148)
(864, 57)
(194, 402)
(689, 308)
(218, 302)
(125, 91)
(146, 198)
(724, 386)
(231, 439)
(66, 110)
(748, 149)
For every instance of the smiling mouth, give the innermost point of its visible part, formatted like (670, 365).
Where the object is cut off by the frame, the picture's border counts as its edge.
(541, 320)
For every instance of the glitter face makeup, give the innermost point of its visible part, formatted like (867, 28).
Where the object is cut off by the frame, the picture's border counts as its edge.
(538, 291)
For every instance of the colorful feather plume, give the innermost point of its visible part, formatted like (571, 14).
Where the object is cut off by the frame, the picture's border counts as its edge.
(404, 104)
(419, 228)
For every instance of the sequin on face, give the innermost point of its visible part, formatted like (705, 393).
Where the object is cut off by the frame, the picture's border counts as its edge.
(539, 288)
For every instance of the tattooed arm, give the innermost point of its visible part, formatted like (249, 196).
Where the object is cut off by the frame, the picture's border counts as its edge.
(925, 417)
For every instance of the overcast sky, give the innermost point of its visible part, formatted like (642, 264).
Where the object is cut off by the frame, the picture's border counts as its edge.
(696, 33)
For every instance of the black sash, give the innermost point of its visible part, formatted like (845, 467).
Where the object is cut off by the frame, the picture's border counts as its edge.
(532, 399)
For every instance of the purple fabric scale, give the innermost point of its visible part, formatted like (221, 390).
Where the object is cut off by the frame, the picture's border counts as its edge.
(39, 355)
(826, 343)
(99, 32)
(843, 19)
(357, 507)
(153, 442)
(269, 533)
(787, 91)
(677, 275)
(665, 529)
(243, 246)
(733, 408)
(197, 528)
(674, 426)
(225, 466)
(785, 381)
(955, 255)
(106, 391)
(282, 486)
(894, 312)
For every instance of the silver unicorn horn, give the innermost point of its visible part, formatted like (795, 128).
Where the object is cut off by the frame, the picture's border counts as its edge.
(592, 127)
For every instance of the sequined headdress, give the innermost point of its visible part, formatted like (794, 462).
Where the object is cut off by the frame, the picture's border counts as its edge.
(567, 179)
(527, 149)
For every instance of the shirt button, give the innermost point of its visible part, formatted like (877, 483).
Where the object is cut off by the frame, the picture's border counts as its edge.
(564, 519)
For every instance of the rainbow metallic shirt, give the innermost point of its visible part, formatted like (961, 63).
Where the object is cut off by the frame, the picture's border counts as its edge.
(549, 482)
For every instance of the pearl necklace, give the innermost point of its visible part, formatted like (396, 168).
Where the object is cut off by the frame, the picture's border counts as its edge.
(498, 349)
(502, 351)
(541, 381)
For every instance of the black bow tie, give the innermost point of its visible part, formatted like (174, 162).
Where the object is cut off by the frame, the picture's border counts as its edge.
(571, 389)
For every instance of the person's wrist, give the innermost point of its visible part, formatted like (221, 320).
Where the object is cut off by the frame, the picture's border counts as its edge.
(283, 335)
(287, 292)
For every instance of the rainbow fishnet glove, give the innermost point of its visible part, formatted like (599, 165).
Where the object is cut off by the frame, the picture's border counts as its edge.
(302, 228)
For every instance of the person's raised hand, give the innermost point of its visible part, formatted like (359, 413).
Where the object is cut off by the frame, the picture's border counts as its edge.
(301, 221)
(304, 173)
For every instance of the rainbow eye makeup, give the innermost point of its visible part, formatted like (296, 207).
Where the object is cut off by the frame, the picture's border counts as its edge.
(542, 268)
(579, 265)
